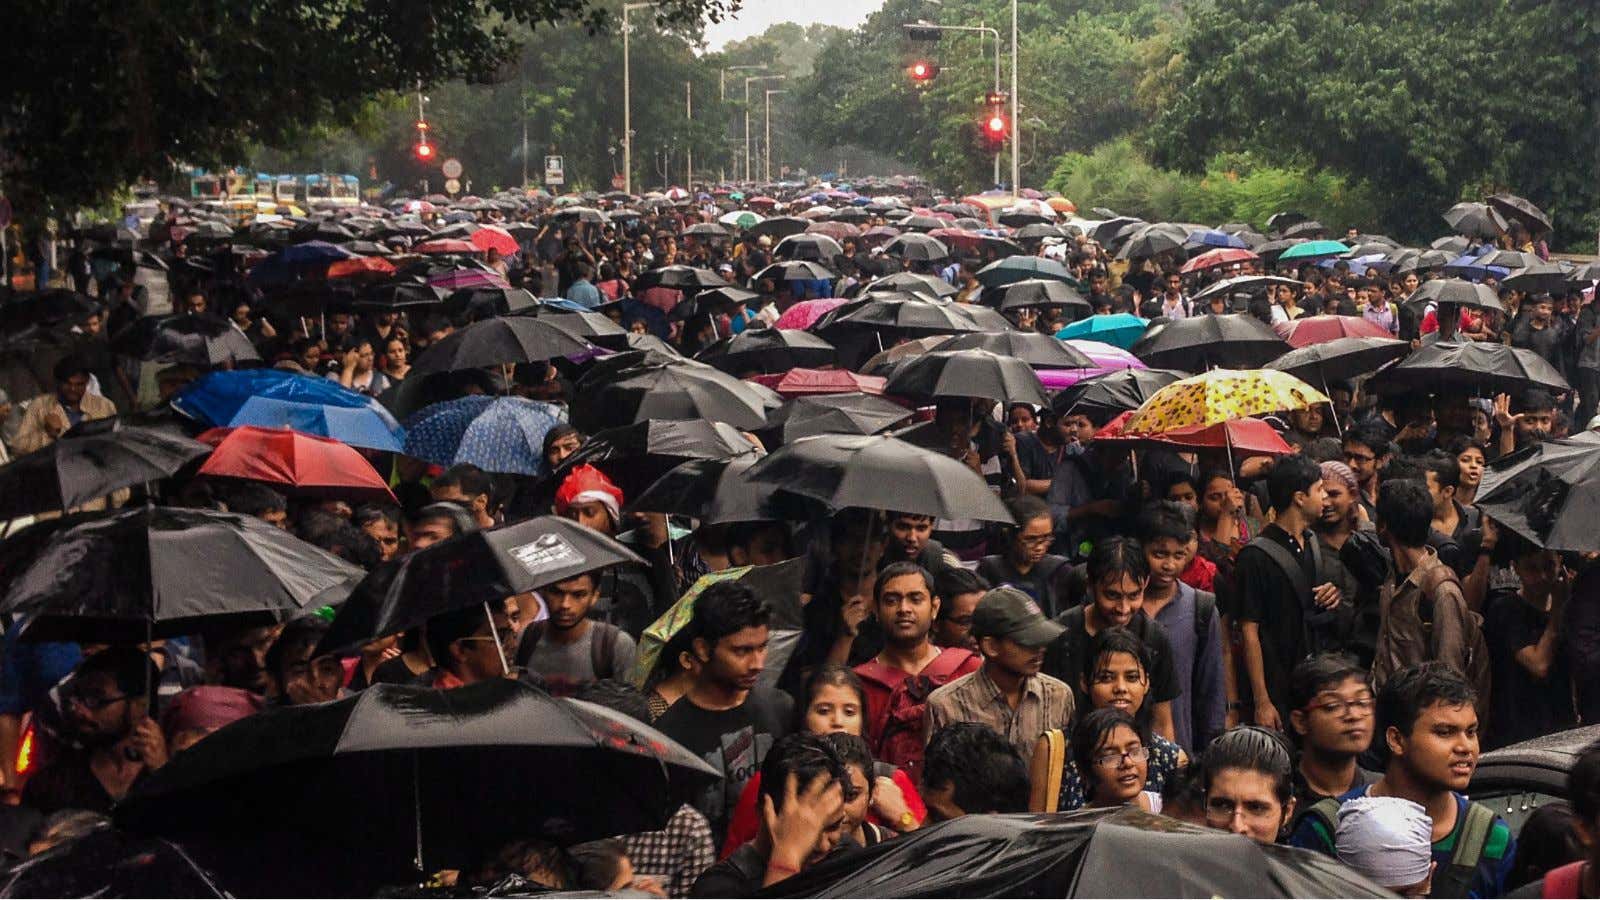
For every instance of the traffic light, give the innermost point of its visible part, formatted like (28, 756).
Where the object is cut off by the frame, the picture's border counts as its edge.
(424, 151)
(923, 71)
(921, 31)
(996, 127)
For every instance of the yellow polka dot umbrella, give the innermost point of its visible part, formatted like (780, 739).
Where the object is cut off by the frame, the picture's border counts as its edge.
(1220, 395)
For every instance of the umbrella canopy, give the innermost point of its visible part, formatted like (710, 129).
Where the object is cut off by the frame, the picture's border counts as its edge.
(806, 313)
(80, 467)
(1019, 268)
(777, 228)
(1543, 278)
(915, 246)
(1310, 330)
(852, 413)
(111, 863)
(1245, 436)
(781, 585)
(682, 278)
(496, 434)
(581, 324)
(909, 313)
(812, 382)
(185, 338)
(1473, 220)
(967, 373)
(1114, 392)
(884, 362)
(1461, 293)
(1152, 240)
(156, 571)
(768, 350)
(741, 218)
(812, 246)
(46, 308)
(1041, 292)
(1117, 329)
(793, 270)
(1211, 259)
(305, 464)
(711, 491)
(447, 246)
(635, 456)
(1479, 367)
(488, 302)
(879, 473)
(1083, 854)
(1040, 351)
(1549, 494)
(1340, 358)
(500, 341)
(929, 285)
(682, 389)
(1313, 250)
(275, 398)
(1511, 207)
(1220, 395)
(443, 775)
(1235, 340)
(398, 295)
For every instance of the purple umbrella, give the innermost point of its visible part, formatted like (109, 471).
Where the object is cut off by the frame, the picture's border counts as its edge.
(460, 279)
(1106, 358)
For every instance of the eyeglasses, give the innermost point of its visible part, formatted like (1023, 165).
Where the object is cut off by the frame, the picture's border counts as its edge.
(1111, 760)
(1359, 457)
(1037, 540)
(1338, 707)
(92, 702)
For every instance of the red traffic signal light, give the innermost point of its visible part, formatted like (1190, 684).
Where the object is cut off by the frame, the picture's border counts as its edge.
(996, 125)
(923, 70)
(424, 151)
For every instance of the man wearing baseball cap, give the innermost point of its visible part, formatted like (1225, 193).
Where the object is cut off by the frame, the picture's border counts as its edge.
(1007, 693)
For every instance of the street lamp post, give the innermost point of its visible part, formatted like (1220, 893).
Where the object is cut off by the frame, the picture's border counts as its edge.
(747, 116)
(1016, 120)
(688, 115)
(627, 102)
(766, 164)
(980, 27)
(722, 96)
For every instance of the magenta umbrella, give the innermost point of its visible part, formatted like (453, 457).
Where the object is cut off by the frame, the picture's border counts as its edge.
(804, 314)
(1106, 356)
(460, 279)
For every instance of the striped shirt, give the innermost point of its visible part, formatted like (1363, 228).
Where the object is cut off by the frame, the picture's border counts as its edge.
(1046, 703)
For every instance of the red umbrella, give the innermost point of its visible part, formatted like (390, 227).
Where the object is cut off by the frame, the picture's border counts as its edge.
(805, 382)
(1321, 329)
(958, 237)
(1223, 256)
(491, 238)
(446, 246)
(839, 231)
(305, 464)
(361, 267)
(761, 201)
(1251, 436)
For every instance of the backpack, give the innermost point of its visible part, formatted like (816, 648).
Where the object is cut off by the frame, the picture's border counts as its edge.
(1451, 880)
(1476, 670)
(899, 728)
(1205, 608)
(602, 647)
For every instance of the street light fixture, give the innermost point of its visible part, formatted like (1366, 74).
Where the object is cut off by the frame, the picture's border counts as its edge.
(722, 95)
(747, 82)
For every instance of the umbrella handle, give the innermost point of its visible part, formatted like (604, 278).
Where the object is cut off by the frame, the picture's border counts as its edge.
(498, 647)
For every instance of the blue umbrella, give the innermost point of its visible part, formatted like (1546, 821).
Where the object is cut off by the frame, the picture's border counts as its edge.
(1118, 329)
(1467, 266)
(496, 434)
(563, 303)
(295, 260)
(275, 398)
(1215, 238)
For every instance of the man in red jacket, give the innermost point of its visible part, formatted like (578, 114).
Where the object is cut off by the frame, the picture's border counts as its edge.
(899, 679)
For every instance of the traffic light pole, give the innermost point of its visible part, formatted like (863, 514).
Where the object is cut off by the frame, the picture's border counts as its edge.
(766, 165)
(993, 32)
(1016, 120)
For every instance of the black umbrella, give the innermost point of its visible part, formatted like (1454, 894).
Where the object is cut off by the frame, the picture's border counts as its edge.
(1281, 220)
(1152, 240)
(185, 338)
(111, 863)
(1271, 250)
(777, 227)
(155, 571)
(928, 285)
(708, 230)
(1233, 341)
(488, 302)
(921, 247)
(1587, 273)
(1016, 217)
(768, 350)
(311, 298)
(442, 779)
(849, 214)
(634, 456)
(1106, 231)
(1038, 231)
(1473, 220)
(584, 214)
(585, 326)
(1542, 278)
(1244, 284)
(711, 491)
(793, 270)
(917, 222)
(681, 390)
(46, 308)
(1454, 244)
(1104, 396)
(683, 278)
(1421, 261)
(1480, 368)
(910, 313)
(1510, 206)
(398, 295)
(967, 373)
(882, 473)
(851, 413)
(1041, 351)
(498, 341)
(1453, 290)
(78, 468)
(1508, 259)
(1310, 228)
(815, 247)
(1041, 292)
(1340, 358)
(1120, 852)
(1549, 493)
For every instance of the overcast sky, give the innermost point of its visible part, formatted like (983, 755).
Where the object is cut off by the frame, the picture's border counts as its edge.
(756, 15)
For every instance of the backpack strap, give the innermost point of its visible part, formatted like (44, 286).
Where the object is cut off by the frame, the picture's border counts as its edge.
(1564, 881)
(1056, 749)
(946, 664)
(603, 649)
(1205, 609)
(529, 640)
(1324, 816)
(1474, 835)
(1284, 560)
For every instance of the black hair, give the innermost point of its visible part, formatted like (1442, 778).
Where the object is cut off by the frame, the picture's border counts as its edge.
(1583, 785)
(804, 756)
(1369, 435)
(1114, 556)
(829, 675)
(1166, 519)
(726, 608)
(1535, 399)
(1291, 475)
(983, 769)
(860, 524)
(68, 366)
(447, 510)
(1171, 479)
(446, 628)
(1253, 749)
(893, 516)
(617, 696)
(555, 434)
(1025, 509)
(1547, 841)
(255, 500)
(304, 631)
(1461, 443)
(329, 532)
(368, 513)
(853, 751)
(470, 479)
(1092, 730)
(129, 668)
(596, 865)
(1405, 511)
(1409, 691)
(953, 581)
(1324, 449)
(900, 569)
(746, 533)
(1320, 672)
(1402, 467)
(1444, 467)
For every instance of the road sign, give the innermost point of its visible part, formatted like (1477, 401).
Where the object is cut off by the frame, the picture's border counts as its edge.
(554, 170)
(452, 186)
(451, 168)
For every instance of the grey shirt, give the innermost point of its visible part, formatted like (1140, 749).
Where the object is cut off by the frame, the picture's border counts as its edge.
(566, 666)
(1199, 711)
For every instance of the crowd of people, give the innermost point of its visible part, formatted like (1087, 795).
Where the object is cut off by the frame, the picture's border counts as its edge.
(1308, 647)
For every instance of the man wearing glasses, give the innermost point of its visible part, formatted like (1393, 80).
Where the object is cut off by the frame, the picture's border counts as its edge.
(1331, 717)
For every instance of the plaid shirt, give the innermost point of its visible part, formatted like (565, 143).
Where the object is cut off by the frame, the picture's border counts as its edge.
(1046, 703)
(675, 855)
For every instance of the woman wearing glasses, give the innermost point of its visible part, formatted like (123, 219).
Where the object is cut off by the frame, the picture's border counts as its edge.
(1025, 561)
(1113, 751)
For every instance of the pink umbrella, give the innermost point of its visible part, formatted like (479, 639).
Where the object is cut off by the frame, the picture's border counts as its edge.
(804, 314)
(459, 279)
(1106, 356)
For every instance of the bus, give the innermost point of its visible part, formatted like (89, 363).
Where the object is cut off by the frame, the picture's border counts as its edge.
(332, 190)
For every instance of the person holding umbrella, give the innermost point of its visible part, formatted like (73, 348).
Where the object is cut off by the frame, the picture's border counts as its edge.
(470, 644)
(48, 416)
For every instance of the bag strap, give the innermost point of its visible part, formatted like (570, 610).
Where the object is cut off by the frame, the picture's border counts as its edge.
(1286, 561)
(1324, 814)
(946, 664)
(1564, 881)
(527, 642)
(1474, 834)
(1205, 609)
(1056, 761)
(603, 649)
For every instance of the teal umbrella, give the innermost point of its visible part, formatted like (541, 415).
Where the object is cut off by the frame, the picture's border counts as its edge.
(1021, 268)
(1118, 329)
(1314, 249)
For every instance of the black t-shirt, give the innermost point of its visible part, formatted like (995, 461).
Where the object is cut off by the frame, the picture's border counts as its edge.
(1549, 342)
(68, 783)
(734, 742)
(1040, 583)
(1524, 706)
(1064, 659)
(1264, 594)
(1036, 460)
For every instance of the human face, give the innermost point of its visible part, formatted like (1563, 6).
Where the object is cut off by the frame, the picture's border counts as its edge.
(1117, 600)
(1183, 492)
(429, 532)
(1442, 749)
(195, 303)
(395, 352)
(1362, 460)
(834, 708)
(1542, 311)
(1022, 420)
(1121, 764)
(592, 514)
(955, 629)
(477, 656)
(1338, 722)
(1441, 495)
(1011, 657)
(1312, 500)
(1078, 428)
(306, 680)
(1119, 681)
(736, 661)
(1167, 559)
(73, 389)
(1534, 425)
(98, 711)
(1216, 499)
(1032, 541)
(1243, 801)
(386, 534)
(242, 659)
(906, 608)
(834, 831)
(1307, 421)
(855, 809)
(1471, 461)
(1410, 283)
(561, 448)
(911, 533)
(569, 601)
(311, 357)
(941, 803)
(1338, 502)
(277, 518)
